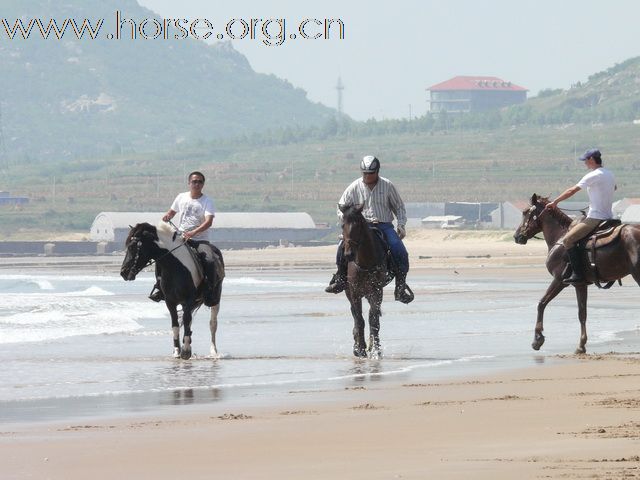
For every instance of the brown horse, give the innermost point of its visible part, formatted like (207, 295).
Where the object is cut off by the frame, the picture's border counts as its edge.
(613, 261)
(366, 277)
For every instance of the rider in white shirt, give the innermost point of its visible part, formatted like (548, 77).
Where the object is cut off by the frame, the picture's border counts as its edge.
(196, 217)
(600, 184)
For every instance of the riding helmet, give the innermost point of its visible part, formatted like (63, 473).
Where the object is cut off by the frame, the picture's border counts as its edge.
(370, 164)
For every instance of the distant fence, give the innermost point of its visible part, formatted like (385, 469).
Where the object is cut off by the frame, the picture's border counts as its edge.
(60, 249)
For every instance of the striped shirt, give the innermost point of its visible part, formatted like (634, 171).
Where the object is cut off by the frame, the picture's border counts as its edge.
(380, 203)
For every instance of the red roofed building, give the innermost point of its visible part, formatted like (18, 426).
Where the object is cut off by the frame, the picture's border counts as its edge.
(474, 94)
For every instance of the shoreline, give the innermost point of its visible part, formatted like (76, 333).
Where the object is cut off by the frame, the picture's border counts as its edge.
(576, 418)
(427, 249)
(564, 416)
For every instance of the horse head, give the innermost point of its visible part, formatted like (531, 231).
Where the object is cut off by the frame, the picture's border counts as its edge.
(354, 228)
(139, 245)
(530, 224)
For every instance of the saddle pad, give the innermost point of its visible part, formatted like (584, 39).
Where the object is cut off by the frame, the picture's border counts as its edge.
(604, 238)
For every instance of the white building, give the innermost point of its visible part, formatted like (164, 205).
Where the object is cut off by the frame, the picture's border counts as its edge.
(227, 226)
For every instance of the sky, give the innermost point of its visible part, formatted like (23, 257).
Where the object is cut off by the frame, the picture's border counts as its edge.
(392, 51)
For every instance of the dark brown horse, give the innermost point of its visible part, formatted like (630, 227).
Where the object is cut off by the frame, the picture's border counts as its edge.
(613, 261)
(366, 277)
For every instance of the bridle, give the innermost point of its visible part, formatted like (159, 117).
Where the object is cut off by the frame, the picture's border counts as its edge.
(533, 215)
(355, 244)
(151, 261)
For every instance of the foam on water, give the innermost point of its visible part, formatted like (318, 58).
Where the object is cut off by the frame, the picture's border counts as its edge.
(278, 332)
(68, 319)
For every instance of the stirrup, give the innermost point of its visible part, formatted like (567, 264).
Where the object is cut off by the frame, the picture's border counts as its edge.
(404, 294)
(156, 295)
(337, 284)
(574, 280)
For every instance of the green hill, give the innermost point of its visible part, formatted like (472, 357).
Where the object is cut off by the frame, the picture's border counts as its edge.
(607, 96)
(97, 96)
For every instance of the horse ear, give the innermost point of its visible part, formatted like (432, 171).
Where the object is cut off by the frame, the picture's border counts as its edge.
(359, 208)
(534, 199)
(342, 208)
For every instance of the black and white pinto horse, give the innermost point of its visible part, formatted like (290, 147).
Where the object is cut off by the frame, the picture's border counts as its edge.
(181, 278)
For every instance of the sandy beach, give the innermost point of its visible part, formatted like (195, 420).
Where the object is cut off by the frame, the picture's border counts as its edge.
(577, 419)
(567, 416)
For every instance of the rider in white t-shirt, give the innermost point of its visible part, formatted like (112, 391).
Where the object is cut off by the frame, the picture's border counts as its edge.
(600, 184)
(196, 217)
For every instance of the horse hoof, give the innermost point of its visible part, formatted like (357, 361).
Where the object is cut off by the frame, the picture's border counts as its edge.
(176, 352)
(580, 351)
(360, 352)
(185, 354)
(375, 354)
(538, 342)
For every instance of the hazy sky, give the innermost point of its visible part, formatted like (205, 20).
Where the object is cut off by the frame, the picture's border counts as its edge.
(394, 50)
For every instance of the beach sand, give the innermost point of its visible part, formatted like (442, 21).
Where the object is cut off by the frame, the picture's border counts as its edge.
(579, 418)
(566, 417)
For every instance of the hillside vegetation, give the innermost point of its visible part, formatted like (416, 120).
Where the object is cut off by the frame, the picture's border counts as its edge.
(502, 164)
(86, 97)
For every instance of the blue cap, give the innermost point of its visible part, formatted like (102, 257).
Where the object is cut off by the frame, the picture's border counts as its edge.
(592, 152)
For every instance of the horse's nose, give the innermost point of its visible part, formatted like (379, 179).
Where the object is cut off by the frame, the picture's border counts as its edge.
(126, 274)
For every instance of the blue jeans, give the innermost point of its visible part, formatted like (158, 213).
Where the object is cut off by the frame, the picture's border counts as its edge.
(398, 250)
(396, 246)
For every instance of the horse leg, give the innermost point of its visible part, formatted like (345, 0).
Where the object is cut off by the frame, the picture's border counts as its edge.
(359, 345)
(581, 294)
(375, 352)
(185, 354)
(213, 326)
(175, 327)
(552, 291)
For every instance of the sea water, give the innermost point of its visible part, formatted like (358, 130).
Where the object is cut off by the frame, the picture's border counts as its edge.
(81, 344)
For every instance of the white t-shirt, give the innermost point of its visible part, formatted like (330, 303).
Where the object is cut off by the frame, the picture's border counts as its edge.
(600, 185)
(192, 213)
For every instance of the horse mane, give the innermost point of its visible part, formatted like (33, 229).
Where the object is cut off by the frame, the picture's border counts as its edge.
(353, 214)
(168, 239)
(140, 228)
(166, 235)
(563, 219)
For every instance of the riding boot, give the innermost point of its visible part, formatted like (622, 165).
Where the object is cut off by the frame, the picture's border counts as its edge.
(577, 275)
(339, 280)
(156, 292)
(403, 293)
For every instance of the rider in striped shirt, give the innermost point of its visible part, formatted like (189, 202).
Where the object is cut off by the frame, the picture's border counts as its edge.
(381, 203)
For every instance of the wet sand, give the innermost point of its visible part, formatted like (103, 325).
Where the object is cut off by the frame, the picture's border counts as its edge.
(576, 419)
(571, 417)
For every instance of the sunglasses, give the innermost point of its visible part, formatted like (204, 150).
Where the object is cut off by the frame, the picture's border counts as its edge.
(197, 181)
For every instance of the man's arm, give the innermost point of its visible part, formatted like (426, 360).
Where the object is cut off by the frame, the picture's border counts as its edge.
(204, 226)
(397, 206)
(569, 192)
(345, 199)
(169, 215)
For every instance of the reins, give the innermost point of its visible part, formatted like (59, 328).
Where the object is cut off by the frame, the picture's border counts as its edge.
(155, 260)
(356, 244)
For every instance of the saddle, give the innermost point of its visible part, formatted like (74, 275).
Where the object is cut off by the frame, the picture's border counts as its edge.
(605, 234)
(199, 258)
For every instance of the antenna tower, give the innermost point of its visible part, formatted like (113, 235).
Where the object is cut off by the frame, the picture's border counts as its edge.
(339, 89)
